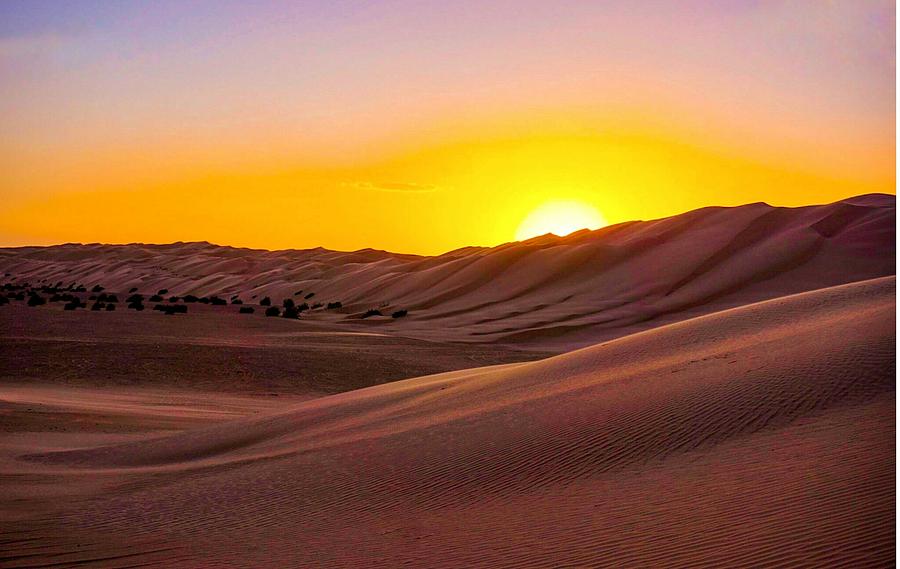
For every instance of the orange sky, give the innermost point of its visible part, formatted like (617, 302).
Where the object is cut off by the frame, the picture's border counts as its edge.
(422, 128)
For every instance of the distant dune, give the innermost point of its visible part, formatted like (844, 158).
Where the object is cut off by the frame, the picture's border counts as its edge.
(548, 292)
(761, 436)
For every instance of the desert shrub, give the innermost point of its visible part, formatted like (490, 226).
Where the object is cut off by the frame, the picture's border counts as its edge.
(246, 310)
(290, 312)
(287, 303)
(272, 311)
(110, 307)
(303, 307)
(333, 305)
(399, 314)
(237, 301)
(135, 298)
(97, 288)
(72, 305)
(174, 299)
(111, 298)
(36, 300)
(136, 305)
(265, 301)
(190, 298)
(132, 289)
(80, 288)
(203, 300)
(160, 307)
(162, 292)
(156, 298)
(310, 295)
(371, 312)
(97, 306)
(216, 301)
(170, 309)
(298, 293)
(20, 296)
(316, 305)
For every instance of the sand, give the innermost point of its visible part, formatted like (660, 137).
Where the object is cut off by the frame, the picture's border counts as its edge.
(548, 293)
(735, 406)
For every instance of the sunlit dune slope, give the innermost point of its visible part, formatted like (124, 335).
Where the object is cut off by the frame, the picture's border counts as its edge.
(570, 291)
(760, 436)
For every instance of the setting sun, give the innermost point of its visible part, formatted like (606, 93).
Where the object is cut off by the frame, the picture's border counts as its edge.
(559, 218)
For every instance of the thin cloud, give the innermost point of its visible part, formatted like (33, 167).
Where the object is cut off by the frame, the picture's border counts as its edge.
(24, 46)
(397, 187)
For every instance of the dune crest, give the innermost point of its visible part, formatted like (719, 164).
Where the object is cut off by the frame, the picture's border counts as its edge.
(757, 436)
(547, 292)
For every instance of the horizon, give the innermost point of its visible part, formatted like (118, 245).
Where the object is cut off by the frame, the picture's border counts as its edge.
(404, 253)
(425, 127)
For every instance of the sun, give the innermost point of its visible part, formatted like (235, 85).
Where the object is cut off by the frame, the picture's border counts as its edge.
(559, 218)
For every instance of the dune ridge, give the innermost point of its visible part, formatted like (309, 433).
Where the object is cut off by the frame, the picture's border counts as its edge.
(547, 292)
(756, 436)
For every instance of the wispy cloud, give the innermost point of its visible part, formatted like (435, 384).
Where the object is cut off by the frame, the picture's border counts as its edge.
(398, 187)
(25, 46)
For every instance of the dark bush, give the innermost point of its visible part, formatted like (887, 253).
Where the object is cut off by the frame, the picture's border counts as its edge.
(399, 314)
(156, 298)
(97, 288)
(333, 305)
(316, 305)
(170, 309)
(162, 292)
(265, 302)
(216, 301)
(203, 300)
(288, 303)
(133, 289)
(135, 298)
(299, 292)
(371, 312)
(190, 298)
(272, 311)
(72, 305)
(237, 301)
(136, 305)
(36, 300)
(310, 295)
(303, 307)
(246, 310)
(110, 307)
(97, 306)
(290, 312)
(173, 299)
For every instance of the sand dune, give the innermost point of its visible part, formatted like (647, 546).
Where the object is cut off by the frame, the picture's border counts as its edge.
(546, 293)
(758, 436)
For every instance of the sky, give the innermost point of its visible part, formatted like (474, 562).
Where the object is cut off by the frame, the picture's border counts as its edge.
(423, 126)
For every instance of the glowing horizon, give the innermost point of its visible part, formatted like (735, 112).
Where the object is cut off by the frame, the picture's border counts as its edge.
(425, 127)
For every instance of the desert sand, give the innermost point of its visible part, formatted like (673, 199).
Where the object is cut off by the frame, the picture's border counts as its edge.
(723, 395)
